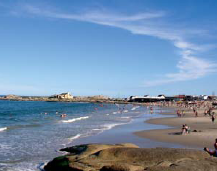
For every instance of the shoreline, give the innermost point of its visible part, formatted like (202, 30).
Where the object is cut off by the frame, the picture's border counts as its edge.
(126, 132)
(203, 132)
(121, 147)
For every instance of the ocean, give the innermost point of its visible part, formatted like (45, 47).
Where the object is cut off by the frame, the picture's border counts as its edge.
(32, 132)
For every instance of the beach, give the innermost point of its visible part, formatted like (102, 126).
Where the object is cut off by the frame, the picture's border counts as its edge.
(156, 144)
(38, 127)
(203, 131)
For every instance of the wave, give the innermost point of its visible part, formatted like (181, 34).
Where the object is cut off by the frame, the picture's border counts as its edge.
(126, 117)
(75, 119)
(114, 113)
(134, 108)
(97, 129)
(75, 137)
(125, 111)
(3, 129)
(110, 126)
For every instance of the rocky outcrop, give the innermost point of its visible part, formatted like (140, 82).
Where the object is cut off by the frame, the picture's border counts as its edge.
(129, 157)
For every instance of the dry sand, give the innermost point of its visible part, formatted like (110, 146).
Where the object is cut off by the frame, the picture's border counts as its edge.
(204, 137)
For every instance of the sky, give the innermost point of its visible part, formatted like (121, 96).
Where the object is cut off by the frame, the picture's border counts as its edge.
(116, 48)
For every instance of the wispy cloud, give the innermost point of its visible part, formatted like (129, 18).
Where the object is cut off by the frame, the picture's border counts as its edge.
(93, 16)
(189, 67)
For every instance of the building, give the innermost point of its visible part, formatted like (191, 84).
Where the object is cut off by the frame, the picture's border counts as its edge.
(62, 96)
(146, 98)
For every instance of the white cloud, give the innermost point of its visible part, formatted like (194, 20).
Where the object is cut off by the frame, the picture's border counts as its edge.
(189, 67)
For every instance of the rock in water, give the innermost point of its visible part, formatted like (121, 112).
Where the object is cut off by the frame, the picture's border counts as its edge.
(129, 157)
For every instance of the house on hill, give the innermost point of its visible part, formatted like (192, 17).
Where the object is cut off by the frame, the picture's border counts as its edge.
(63, 96)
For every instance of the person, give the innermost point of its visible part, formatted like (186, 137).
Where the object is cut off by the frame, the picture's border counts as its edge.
(63, 115)
(178, 113)
(213, 117)
(183, 113)
(196, 114)
(151, 109)
(185, 129)
(212, 152)
(205, 112)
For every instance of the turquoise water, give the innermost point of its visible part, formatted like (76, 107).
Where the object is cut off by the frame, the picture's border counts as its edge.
(31, 133)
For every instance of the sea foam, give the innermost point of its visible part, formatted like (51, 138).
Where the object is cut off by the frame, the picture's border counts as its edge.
(75, 137)
(75, 119)
(3, 129)
(134, 108)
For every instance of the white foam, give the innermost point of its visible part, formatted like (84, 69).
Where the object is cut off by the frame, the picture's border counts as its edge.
(96, 129)
(125, 117)
(114, 113)
(110, 126)
(3, 129)
(106, 127)
(107, 114)
(75, 119)
(75, 137)
(125, 111)
(134, 108)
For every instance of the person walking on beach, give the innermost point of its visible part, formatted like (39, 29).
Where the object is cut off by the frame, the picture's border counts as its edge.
(213, 117)
(151, 110)
(178, 113)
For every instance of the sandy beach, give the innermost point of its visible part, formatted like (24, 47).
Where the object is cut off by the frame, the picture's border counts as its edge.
(203, 131)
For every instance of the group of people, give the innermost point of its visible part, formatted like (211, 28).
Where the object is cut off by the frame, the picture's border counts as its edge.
(180, 113)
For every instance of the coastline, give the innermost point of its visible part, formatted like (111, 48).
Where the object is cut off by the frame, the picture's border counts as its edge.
(203, 131)
(126, 134)
(120, 148)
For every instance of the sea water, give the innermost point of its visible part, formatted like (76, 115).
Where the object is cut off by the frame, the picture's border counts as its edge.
(31, 133)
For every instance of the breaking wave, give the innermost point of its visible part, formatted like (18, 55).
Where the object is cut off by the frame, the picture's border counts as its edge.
(3, 129)
(75, 119)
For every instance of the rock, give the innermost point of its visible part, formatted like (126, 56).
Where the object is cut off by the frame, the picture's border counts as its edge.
(129, 157)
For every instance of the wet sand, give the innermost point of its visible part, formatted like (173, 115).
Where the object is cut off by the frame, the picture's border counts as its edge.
(203, 131)
(125, 134)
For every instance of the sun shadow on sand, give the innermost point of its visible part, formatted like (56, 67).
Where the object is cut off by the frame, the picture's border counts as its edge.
(180, 133)
(175, 133)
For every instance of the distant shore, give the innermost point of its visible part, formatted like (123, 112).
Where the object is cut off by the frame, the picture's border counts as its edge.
(47, 99)
(203, 131)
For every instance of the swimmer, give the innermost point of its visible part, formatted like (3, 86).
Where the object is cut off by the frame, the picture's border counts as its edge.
(63, 115)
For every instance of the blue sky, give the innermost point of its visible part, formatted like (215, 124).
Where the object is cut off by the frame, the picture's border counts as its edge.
(110, 47)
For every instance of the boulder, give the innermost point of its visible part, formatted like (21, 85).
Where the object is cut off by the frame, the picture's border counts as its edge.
(129, 157)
